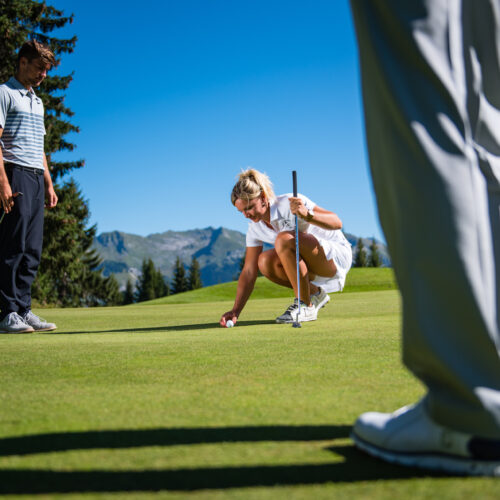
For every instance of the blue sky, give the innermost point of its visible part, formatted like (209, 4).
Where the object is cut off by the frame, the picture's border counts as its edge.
(175, 97)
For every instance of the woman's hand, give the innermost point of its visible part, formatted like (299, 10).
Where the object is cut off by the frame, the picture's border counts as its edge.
(230, 315)
(297, 207)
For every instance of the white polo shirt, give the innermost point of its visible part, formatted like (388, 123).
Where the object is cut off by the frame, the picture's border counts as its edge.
(333, 241)
(21, 117)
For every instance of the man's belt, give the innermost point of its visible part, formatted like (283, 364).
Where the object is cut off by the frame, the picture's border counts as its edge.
(38, 171)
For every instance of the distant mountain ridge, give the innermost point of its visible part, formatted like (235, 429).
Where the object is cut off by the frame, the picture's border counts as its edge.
(218, 251)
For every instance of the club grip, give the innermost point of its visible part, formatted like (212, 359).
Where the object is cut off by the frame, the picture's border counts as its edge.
(294, 177)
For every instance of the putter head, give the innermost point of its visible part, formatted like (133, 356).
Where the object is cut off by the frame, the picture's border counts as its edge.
(296, 323)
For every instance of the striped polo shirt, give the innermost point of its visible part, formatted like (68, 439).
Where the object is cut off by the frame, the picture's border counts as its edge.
(21, 117)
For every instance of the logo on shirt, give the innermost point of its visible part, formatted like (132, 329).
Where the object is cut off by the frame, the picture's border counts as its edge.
(286, 225)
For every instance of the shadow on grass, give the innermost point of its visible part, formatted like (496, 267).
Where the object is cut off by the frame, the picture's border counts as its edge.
(171, 328)
(355, 467)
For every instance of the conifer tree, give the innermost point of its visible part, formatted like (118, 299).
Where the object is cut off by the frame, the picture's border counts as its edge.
(194, 277)
(147, 282)
(360, 260)
(375, 259)
(69, 273)
(128, 294)
(179, 281)
(161, 287)
(151, 283)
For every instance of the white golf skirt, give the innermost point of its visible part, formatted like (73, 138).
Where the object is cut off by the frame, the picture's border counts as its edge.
(342, 257)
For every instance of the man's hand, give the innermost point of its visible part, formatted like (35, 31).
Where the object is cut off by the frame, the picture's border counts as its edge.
(6, 198)
(50, 197)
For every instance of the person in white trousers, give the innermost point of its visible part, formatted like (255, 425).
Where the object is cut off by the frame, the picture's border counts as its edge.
(431, 88)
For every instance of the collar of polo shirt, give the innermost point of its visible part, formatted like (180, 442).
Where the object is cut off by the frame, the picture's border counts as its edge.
(22, 89)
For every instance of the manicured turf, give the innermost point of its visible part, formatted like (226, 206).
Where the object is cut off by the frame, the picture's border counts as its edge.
(148, 401)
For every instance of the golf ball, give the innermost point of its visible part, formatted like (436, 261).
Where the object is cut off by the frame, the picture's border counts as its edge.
(229, 324)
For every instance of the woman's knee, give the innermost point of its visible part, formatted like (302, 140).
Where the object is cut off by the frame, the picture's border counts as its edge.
(284, 241)
(265, 263)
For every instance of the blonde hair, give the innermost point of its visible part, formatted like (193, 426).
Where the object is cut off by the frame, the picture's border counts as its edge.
(250, 185)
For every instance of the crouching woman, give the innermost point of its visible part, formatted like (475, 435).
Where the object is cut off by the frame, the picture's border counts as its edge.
(325, 253)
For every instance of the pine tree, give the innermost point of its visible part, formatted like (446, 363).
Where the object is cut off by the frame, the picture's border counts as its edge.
(194, 277)
(360, 260)
(128, 294)
(151, 283)
(147, 282)
(161, 287)
(179, 281)
(69, 274)
(375, 258)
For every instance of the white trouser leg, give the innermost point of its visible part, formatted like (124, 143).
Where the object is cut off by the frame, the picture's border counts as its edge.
(431, 96)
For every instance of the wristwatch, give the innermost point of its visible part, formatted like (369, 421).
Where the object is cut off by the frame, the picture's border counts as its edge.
(310, 215)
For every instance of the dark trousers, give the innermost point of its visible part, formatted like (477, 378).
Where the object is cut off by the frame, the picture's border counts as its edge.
(21, 234)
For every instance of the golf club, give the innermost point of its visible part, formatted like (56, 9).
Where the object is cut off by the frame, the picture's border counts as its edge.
(296, 323)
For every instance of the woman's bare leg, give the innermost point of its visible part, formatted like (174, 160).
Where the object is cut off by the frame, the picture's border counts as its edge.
(313, 260)
(271, 267)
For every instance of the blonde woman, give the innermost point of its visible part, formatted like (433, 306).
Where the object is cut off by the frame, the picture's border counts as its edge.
(325, 253)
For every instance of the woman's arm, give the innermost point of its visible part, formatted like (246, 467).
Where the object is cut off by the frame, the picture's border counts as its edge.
(321, 218)
(246, 283)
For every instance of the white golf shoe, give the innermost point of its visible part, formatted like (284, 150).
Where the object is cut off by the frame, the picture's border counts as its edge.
(320, 299)
(307, 313)
(38, 324)
(409, 437)
(13, 323)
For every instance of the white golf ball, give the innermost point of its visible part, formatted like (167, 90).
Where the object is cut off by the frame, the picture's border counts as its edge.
(229, 324)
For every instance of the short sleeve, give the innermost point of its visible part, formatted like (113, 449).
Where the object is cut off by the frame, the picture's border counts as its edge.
(252, 239)
(4, 105)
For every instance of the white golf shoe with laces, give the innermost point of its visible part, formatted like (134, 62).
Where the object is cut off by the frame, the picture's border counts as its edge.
(38, 324)
(307, 313)
(409, 437)
(13, 323)
(320, 299)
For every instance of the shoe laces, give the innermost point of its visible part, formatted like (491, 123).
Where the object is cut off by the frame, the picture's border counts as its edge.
(293, 306)
(31, 315)
(15, 319)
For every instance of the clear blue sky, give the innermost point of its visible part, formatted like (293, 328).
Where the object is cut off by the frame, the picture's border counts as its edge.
(175, 97)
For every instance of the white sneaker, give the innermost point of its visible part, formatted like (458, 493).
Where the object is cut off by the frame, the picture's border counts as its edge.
(13, 323)
(38, 324)
(320, 299)
(409, 437)
(307, 313)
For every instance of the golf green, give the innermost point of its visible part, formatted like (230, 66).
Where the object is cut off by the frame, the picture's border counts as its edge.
(157, 400)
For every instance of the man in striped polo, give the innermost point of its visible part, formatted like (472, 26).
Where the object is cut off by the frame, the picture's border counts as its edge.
(25, 187)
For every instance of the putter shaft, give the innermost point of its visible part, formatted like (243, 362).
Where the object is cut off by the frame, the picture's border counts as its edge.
(296, 324)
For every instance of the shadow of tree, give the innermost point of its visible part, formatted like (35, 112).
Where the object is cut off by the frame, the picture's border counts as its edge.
(356, 466)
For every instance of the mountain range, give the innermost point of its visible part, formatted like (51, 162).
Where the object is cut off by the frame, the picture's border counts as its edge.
(218, 250)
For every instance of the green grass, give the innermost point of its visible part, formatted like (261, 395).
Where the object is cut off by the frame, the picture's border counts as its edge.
(358, 280)
(148, 401)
